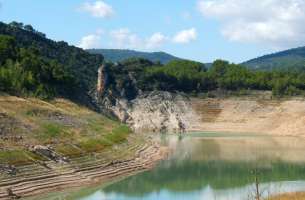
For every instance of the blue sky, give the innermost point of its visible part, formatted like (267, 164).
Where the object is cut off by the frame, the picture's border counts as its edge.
(203, 30)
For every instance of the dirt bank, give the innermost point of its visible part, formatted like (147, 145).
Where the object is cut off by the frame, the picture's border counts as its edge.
(174, 112)
(276, 117)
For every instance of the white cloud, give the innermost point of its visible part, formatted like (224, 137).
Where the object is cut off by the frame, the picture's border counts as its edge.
(124, 38)
(98, 9)
(91, 41)
(185, 36)
(156, 40)
(277, 23)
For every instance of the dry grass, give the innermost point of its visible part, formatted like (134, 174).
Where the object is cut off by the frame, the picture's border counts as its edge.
(70, 128)
(290, 196)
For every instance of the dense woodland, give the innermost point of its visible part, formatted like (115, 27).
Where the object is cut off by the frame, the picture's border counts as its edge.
(24, 71)
(291, 59)
(193, 77)
(32, 65)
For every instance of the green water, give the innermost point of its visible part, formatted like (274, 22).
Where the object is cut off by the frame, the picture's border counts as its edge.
(207, 166)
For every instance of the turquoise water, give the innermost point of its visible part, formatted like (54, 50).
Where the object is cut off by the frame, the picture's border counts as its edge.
(213, 168)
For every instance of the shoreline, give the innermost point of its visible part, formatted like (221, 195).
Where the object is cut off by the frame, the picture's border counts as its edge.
(79, 174)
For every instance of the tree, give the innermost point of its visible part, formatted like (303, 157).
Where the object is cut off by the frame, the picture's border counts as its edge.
(7, 48)
(16, 24)
(279, 87)
(41, 34)
(29, 28)
(219, 68)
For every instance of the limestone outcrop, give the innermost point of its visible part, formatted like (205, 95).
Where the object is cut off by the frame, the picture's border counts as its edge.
(155, 111)
(101, 80)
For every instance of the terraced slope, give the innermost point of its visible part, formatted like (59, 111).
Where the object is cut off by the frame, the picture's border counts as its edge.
(34, 179)
(54, 145)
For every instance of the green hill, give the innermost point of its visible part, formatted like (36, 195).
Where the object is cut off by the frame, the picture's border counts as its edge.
(289, 59)
(33, 65)
(117, 55)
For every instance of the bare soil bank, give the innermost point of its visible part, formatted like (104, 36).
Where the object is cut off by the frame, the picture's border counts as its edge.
(276, 117)
(173, 112)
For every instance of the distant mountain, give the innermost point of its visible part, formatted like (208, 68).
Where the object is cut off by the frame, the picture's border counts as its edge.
(116, 55)
(292, 59)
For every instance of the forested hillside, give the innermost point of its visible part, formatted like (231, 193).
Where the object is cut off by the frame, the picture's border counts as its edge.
(117, 55)
(194, 78)
(292, 59)
(33, 65)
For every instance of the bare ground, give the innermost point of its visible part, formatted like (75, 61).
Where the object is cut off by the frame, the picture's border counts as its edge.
(276, 117)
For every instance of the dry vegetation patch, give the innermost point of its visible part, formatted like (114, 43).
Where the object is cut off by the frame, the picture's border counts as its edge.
(70, 129)
(290, 196)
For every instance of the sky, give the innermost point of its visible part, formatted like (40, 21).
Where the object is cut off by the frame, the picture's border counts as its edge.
(202, 30)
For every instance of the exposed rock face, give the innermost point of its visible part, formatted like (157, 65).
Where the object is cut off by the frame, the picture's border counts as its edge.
(8, 169)
(101, 80)
(154, 112)
(48, 152)
(149, 111)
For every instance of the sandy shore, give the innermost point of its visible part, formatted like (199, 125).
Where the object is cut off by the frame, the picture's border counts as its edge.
(34, 180)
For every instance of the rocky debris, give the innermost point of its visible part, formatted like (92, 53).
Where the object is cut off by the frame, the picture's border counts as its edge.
(12, 138)
(49, 153)
(8, 169)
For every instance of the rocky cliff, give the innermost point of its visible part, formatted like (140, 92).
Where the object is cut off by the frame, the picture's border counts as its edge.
(153, 112)
(160, 111)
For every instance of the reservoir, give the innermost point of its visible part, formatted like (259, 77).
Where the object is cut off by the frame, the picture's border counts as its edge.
(213, 166)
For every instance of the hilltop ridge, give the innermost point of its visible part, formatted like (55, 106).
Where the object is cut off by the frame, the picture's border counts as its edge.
(291, 59)
(118, 55)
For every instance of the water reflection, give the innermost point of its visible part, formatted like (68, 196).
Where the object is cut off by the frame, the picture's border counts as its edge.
(206, 193)
(204, 167)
